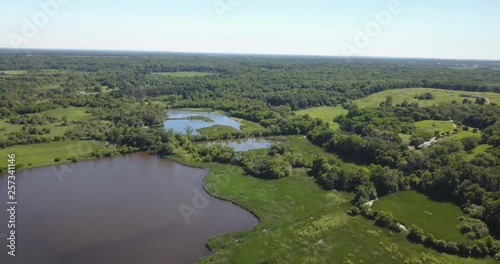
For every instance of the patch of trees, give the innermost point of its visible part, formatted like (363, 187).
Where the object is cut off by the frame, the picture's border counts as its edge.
(215, 153)
(275, 164)
(478, 248)
(425, 96)
(384, 148)
(367, 184)
(368, 122)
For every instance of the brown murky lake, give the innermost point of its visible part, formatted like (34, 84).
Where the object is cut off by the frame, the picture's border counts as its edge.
(129, 209)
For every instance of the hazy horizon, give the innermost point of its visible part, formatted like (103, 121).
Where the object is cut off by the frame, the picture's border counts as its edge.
(458, 30)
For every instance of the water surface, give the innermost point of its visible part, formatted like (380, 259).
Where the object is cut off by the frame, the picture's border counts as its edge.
(245, 144)
(120, 210)
(178, 120)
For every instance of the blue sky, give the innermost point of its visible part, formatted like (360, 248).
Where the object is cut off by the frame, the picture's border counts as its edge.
(421, 28)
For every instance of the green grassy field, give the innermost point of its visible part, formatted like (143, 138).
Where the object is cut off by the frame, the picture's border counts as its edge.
(463, 68)
(461, 134)
(325, 113)
(39, 155)
(406, 138)
(71, 113)
(412, 208)
(441, 96)
(308, 150)
(432, 125)
(248, 126)
(183, 74)
(302, 223)
(479, 149)
(13, 72)
(217, 130)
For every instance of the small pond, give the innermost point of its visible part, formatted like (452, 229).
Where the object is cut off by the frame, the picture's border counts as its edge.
(245, 144)
(180, 119)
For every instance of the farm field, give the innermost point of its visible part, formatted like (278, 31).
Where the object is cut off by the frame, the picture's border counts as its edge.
(412, 208)
(324, 113)
(441, 96)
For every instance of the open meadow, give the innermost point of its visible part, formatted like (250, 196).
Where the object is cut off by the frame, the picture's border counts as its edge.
(412, 208)
(440, 96)
(325, 113)
(302, 223)
(40, 155)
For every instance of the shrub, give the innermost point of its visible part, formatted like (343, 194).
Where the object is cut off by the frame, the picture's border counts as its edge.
(57, 159)
(430, 241)
(416, 235)
(440, 245)
(452, 248)
(464, 250)
(354, 211)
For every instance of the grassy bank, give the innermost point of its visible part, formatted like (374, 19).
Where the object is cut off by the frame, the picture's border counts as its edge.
(40, 155)
(302, 223)
(217, 130)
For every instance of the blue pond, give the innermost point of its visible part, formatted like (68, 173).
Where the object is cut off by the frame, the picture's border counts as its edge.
(178, 120)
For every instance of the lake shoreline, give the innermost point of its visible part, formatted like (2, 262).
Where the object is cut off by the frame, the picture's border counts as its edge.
(180, 161)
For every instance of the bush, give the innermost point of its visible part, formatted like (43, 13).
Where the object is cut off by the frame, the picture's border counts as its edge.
(430, 241)
(416, 235)
(440, 245)
(385, 219)
(464, 250)
(452, 248)
(57, 159)
(354, 211)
